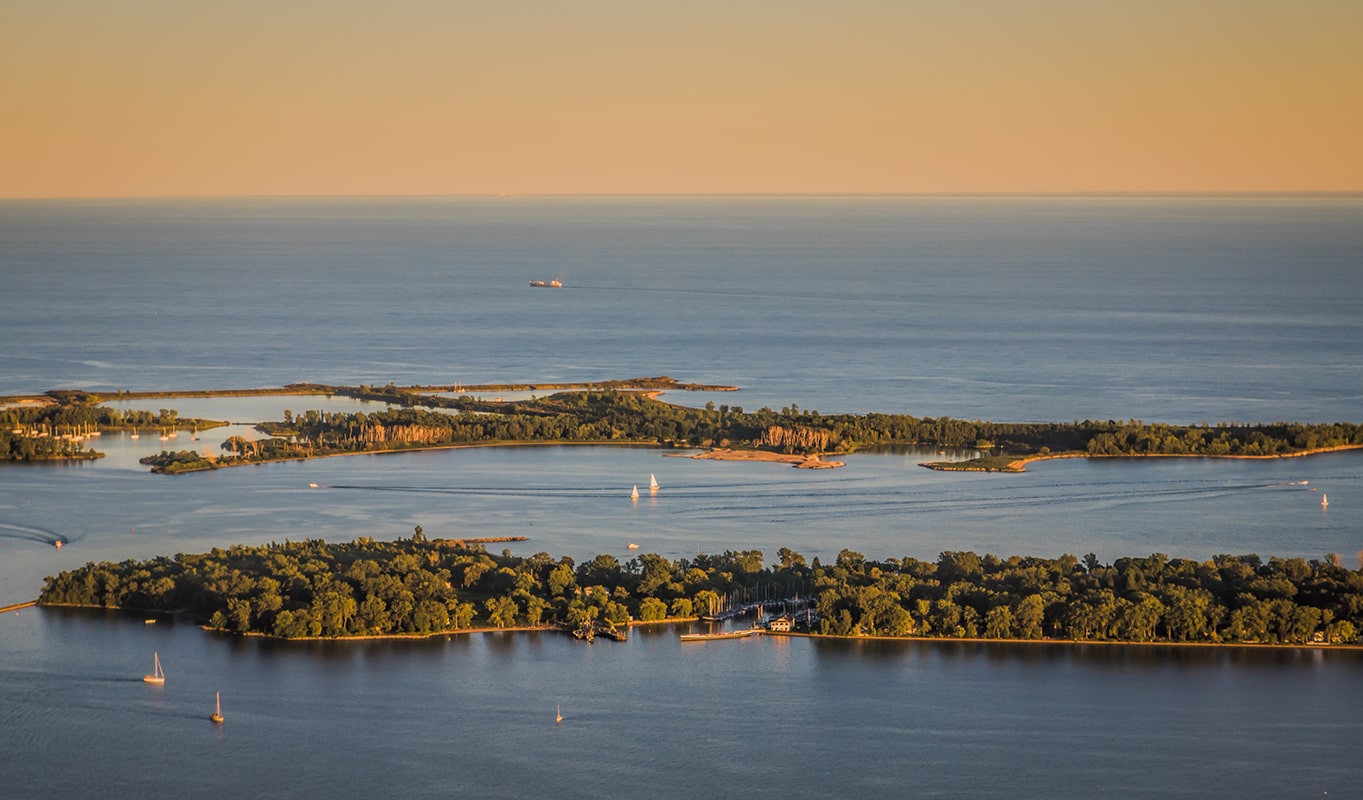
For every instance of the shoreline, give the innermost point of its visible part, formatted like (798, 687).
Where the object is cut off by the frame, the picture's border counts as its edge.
(1072, 642)
(655, 385)
(814, 461)
(1020, 464)
(416, 449)
(687, 620)
(399, 636)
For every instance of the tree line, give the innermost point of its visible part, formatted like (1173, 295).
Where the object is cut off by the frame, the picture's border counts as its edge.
(423, 586)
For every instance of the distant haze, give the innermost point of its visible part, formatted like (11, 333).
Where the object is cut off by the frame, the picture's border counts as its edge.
(144, 98)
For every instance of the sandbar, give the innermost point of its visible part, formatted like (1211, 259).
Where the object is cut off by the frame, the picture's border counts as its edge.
(798, 461)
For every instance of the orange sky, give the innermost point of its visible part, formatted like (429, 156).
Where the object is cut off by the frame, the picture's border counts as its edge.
(190, 97)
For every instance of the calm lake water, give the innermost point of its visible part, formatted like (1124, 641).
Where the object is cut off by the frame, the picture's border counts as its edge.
(1178, 310)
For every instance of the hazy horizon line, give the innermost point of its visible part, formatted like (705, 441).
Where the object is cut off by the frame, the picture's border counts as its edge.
(660, 195)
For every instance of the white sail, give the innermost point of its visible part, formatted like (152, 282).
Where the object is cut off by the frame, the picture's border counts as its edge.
(156, 676)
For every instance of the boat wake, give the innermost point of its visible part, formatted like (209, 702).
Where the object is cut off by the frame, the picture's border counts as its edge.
(28, 533)
(794, 505)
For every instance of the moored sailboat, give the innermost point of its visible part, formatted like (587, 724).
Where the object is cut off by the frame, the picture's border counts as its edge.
(217, 713)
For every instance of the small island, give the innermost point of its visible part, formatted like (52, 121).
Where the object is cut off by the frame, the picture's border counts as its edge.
(421, 586)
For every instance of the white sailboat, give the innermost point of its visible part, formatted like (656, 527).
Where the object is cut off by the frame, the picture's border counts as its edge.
(217, 714)
(1324, 500)
(634, 493)
(156, 676)
(558, 713)
(652, 483)
(134, 434)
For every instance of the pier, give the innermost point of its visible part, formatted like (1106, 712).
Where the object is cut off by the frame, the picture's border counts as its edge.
(588, 632)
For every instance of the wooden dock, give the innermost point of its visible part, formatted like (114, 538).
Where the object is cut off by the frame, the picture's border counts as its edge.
(588, 632)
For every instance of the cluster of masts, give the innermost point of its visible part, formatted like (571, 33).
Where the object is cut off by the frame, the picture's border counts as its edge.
(158, 677)
(42, 430)
(85, 430)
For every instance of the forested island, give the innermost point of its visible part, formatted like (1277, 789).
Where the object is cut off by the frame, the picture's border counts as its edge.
(421, 586)
(632, 417)
(627, 412)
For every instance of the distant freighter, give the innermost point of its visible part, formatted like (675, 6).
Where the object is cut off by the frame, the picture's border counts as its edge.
(554, 284)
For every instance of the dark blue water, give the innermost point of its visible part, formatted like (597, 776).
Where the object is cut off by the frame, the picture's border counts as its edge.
(1179, 310)
(474, 717)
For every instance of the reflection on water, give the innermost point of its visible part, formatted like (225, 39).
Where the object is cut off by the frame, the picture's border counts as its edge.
(1086, 655)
